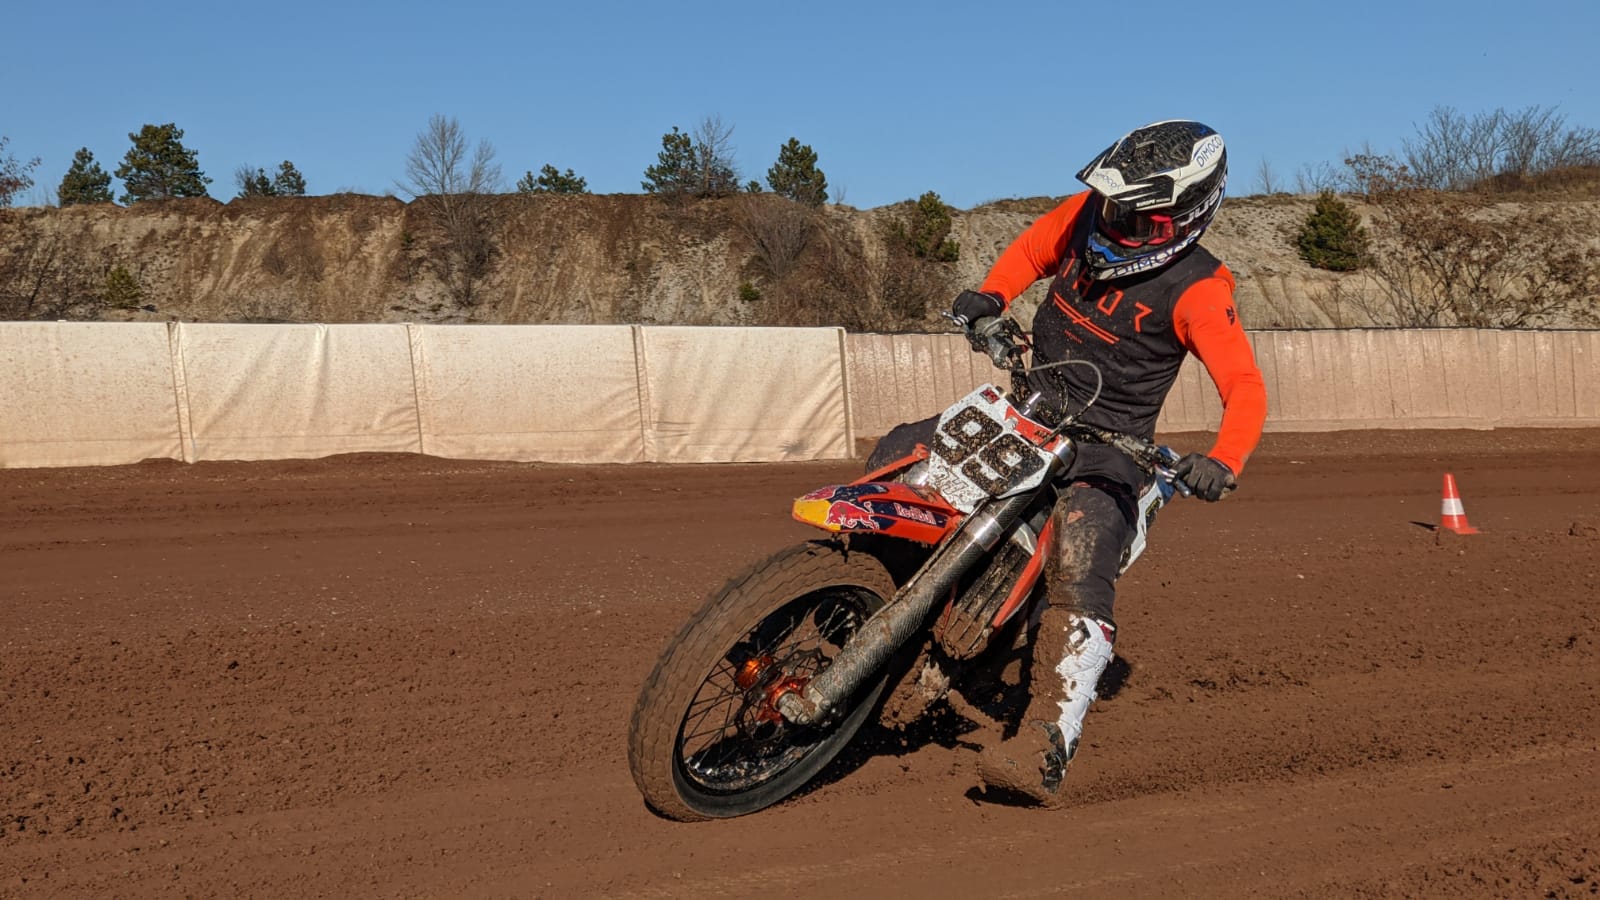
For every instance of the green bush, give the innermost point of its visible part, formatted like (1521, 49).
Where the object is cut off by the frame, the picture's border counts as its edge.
(122, 290)
(748, 292)
(551, 181)
(1333, 237)
(924, 232)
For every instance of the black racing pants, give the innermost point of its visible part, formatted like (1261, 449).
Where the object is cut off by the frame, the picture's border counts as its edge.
(1095, 518)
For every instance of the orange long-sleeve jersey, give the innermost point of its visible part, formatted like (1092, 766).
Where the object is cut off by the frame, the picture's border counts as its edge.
(1137, 329)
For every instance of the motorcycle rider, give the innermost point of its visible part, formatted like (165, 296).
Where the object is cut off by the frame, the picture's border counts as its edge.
(1133, 293)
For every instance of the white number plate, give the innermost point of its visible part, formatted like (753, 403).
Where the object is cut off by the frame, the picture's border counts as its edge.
(977, 452)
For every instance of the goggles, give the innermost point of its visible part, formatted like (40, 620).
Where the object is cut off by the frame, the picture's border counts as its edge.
(1131, 228)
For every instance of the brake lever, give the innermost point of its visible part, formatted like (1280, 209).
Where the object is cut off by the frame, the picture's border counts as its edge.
(993, 337)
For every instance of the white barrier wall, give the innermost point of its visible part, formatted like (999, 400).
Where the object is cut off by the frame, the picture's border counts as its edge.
(84, 394)
(104, 393)
(296, 391)
(743, 394)
(512, 392)
(108, 393)
(1316, 380)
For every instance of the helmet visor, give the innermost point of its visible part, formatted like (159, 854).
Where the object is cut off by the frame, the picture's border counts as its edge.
(1132, 228)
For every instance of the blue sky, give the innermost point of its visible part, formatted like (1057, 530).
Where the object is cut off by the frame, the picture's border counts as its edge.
(978, 101)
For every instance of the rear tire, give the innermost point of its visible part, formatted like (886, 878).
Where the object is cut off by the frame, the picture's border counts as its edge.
(704, 741)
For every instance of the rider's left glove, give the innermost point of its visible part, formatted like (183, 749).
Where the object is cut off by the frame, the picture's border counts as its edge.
(970, 306)
(1205, 476)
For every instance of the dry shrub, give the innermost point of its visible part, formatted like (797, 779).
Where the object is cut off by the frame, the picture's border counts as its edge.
(1571, 183)
(1458, 259)
(41, 277)
(777, 229)
(842, 281)
(908, 288)
(295, 253)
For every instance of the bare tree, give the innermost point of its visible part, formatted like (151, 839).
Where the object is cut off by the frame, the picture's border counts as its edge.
(1266, 179)
(15, 176)
(455, 192)
(1578, 147)
(1527, 134)
(1453, 151)
(713, 147)
(1314, 179)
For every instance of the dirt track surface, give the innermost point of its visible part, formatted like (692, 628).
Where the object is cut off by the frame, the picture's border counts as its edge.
(398, 676)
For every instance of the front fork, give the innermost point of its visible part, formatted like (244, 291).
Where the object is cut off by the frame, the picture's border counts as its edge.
(890, 627)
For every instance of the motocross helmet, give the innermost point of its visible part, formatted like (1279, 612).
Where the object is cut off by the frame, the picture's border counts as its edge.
(1155, 190)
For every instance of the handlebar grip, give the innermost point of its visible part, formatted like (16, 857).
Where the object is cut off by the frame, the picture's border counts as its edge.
(1167, 458)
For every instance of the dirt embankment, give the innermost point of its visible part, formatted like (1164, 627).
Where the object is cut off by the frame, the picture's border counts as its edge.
(558, 259)
(747, 260)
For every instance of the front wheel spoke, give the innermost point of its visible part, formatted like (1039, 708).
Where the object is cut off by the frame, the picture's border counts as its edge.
(787, 632)
(721, 729)
(721, 694)
(729, 740)
(693, 729)
(839, 620)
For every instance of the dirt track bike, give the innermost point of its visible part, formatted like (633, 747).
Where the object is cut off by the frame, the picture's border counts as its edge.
(921, 584)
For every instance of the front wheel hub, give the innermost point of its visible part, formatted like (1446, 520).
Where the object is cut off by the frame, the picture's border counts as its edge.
(764, 681)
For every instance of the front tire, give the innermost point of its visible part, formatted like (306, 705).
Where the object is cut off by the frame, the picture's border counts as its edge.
(705, 741)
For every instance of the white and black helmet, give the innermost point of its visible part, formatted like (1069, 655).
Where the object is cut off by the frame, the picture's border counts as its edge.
(1155, 190)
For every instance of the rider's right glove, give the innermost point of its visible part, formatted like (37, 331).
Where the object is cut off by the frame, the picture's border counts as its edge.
(970, 306)
(1205, 476)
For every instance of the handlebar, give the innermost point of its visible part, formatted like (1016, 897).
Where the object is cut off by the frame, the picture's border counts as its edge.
(1004, 342)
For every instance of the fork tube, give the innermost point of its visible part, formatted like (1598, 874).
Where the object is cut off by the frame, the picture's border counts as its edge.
(889, 628)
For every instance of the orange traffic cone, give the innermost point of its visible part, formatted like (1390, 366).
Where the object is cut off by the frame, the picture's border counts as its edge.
(1452, 515)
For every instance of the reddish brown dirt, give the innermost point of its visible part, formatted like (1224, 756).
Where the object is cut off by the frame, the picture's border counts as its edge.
(400, 676)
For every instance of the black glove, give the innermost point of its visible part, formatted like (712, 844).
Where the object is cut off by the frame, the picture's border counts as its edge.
(971, 306)
(1205, 476)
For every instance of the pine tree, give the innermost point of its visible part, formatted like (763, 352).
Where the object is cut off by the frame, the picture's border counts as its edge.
(288, 182)
(795, 175)
(677, 169)
(159, 167)
(85, 182)
(924, 232)
(1332, 237)
(551, 181)
(253, 182)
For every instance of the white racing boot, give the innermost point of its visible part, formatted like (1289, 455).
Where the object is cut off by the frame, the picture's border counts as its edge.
(1034, 762)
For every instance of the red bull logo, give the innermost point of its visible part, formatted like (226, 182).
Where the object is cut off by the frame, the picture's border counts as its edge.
(846, 515)
(916, 515)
